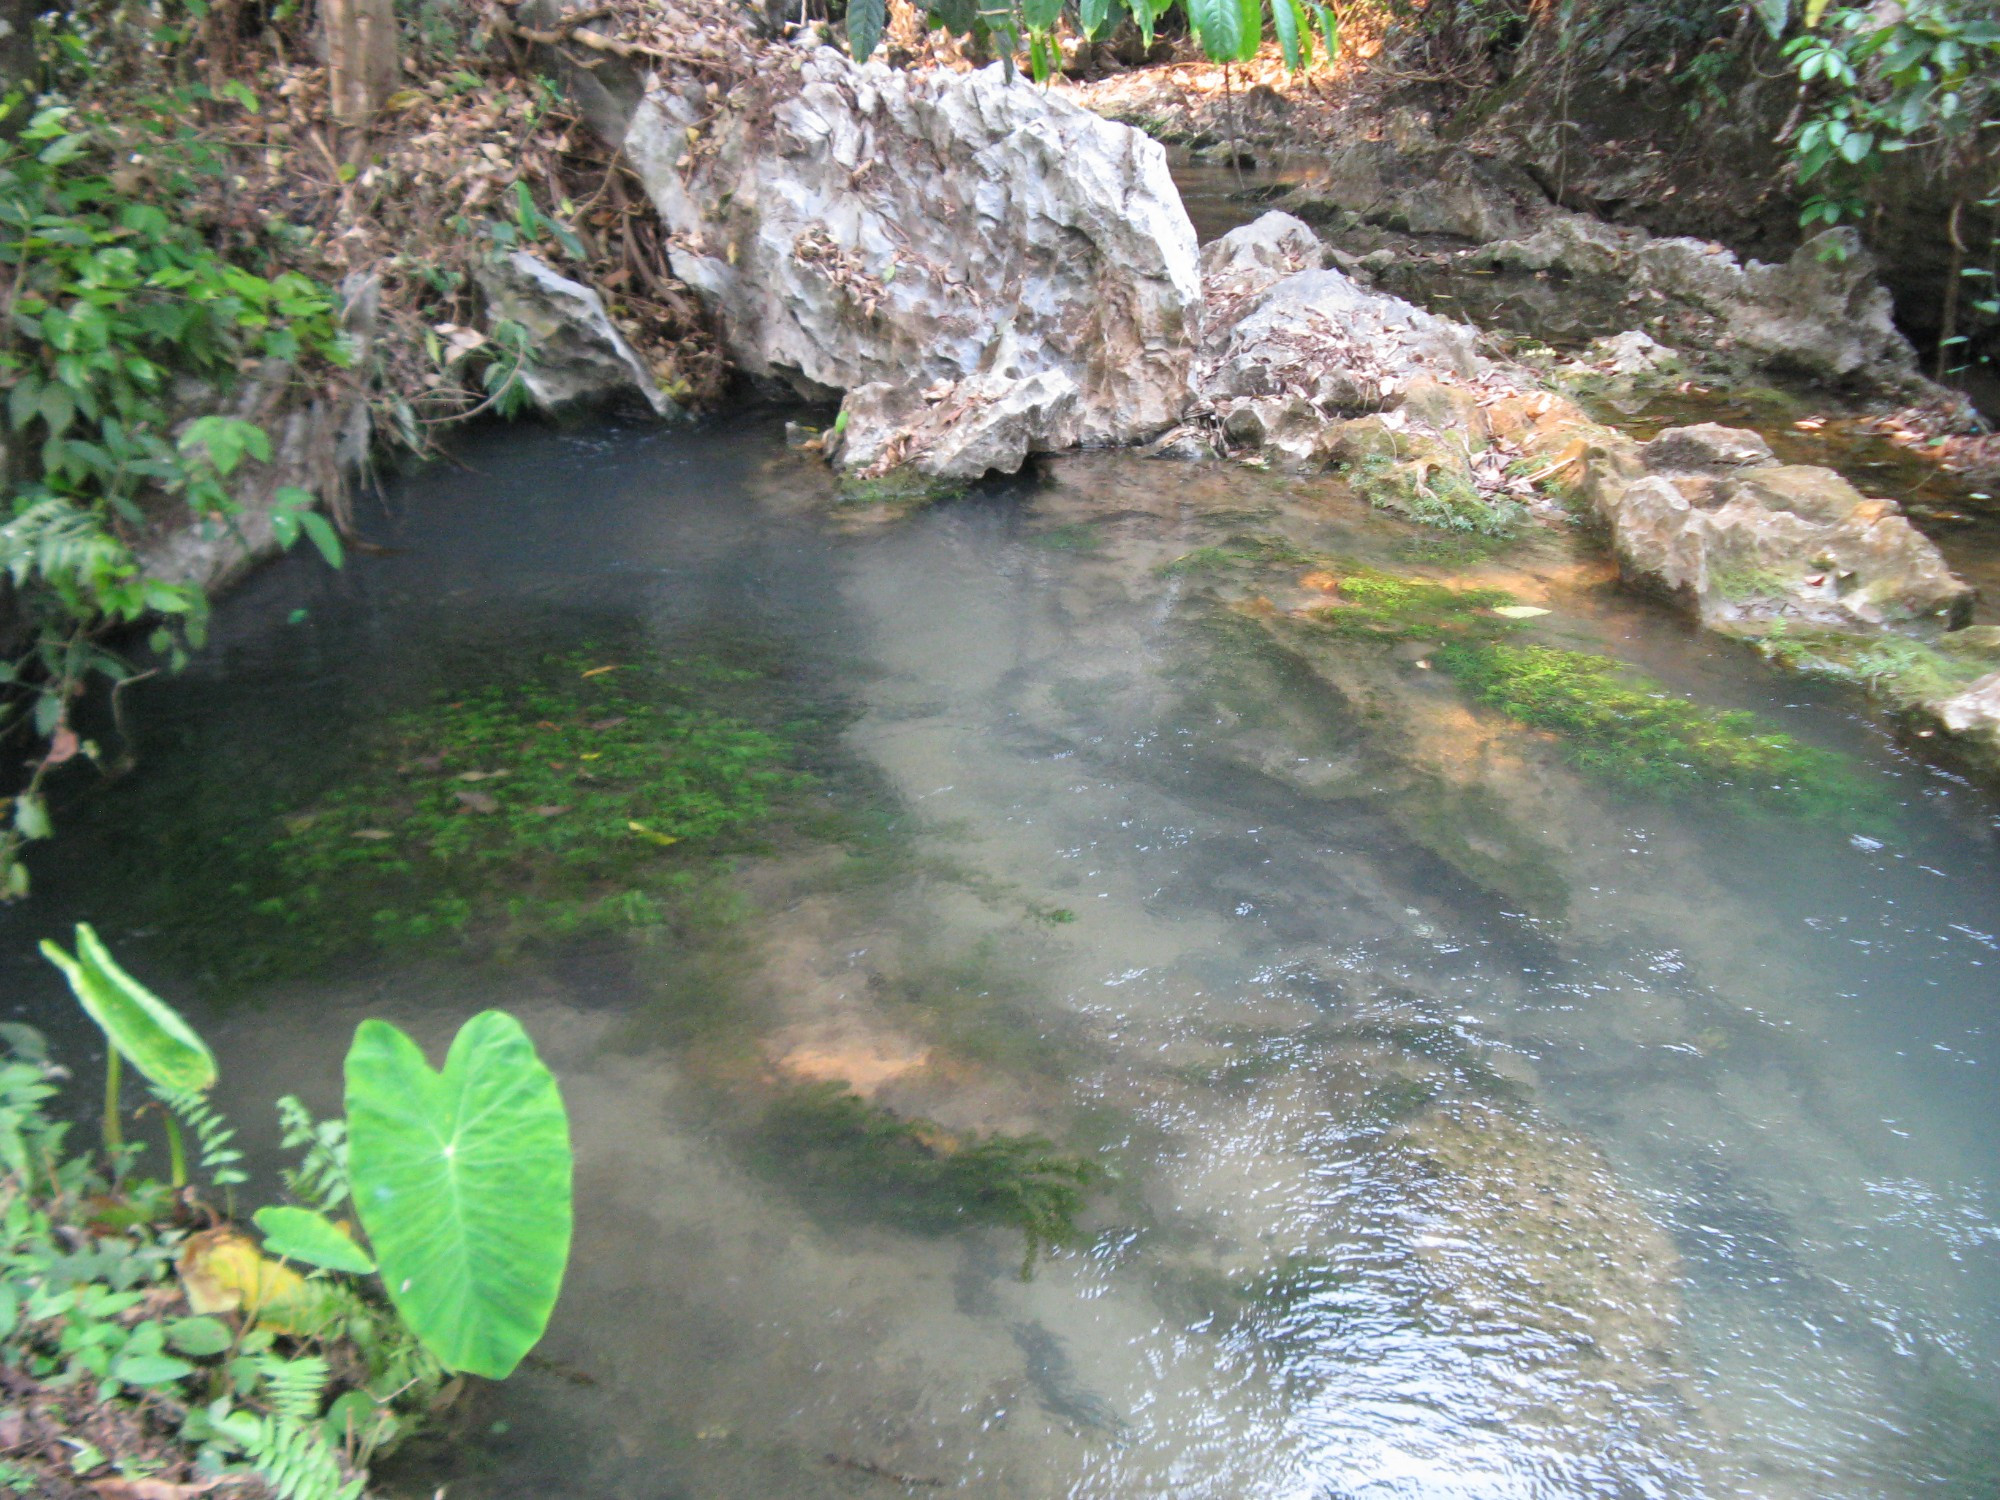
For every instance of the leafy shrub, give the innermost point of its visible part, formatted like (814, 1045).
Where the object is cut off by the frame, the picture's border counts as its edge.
(110, 303)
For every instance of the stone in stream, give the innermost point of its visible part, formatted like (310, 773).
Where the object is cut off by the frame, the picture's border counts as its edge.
(579, 358)
(1714, 518)
(983, 269)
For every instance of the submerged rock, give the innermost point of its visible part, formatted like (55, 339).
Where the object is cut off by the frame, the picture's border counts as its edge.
(578, 357)
(1000, 271)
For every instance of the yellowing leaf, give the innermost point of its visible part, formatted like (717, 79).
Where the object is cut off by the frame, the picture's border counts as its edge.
(1518, 611)
(662, 839)
(222, 1271)
(600, 671)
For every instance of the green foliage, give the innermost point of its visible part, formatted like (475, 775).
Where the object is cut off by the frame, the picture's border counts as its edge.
(1434, 494)
(462, 1180)
(926, 1177)
(88, 1321)
(311, 1239)
(1228, 31)
(1630, 731)
(1918, 80)
(463, 1184)
(111, 304)
(147, 1031)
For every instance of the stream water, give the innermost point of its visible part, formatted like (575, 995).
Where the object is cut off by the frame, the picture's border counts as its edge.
(1473, 1128)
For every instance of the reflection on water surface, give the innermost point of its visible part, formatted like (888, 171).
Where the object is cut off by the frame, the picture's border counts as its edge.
(1468, 1124)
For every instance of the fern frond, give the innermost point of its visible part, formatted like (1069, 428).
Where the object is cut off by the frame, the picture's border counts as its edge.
(291, 1456)
(61, 543)
(211, 1130)
(293, 1387)
(320, 1179)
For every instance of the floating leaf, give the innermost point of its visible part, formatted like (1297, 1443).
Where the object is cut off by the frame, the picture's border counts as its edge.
(462, 1181)
(147, 1031)
(302, 1235)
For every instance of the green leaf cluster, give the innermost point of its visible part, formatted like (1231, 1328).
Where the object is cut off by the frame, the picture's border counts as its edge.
(114, 309)
(461, 1179)
(1228, 30)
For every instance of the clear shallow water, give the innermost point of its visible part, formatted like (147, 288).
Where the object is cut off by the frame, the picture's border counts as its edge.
(1479, 1131)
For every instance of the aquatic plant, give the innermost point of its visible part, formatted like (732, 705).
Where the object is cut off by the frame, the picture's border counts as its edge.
(1633, 732)
(1245, 549)
(462, 1181)
(1389, 606)
(899, 491)
(137, 1025)
(1898, 668)
(917, 1173)
(461, 1178)
(586, 794)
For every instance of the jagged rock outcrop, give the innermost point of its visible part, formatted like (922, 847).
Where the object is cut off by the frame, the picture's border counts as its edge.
(983, 270)
(1821, 313)
(1286, 338)
(1710, 516)
(578, 357)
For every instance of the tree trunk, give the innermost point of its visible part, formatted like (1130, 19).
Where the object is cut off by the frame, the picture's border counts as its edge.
(361, 62)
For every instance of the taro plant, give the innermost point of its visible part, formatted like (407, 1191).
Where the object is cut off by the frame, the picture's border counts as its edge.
(461, 1179)
(137, 1025)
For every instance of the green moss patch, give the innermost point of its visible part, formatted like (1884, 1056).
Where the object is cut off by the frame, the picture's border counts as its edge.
(1389, 606)
(1433, 494)
(1243, 550)
(1634, 733)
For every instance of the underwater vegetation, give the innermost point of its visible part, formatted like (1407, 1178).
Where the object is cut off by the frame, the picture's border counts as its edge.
(1619, 726)
(921, 1176)
(1388, 606)
(1245, 549)
(584, 793)
(1631, 731)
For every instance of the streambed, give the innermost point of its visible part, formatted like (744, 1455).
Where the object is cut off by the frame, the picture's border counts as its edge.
(1469, 1124)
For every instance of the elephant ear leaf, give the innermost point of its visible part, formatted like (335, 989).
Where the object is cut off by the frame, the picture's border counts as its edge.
(462, 1182)
(146, 1030)
(312, 1239)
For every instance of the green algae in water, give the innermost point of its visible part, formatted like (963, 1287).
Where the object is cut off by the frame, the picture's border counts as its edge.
(1388, 606)
(587, 794)
(1245, 550)
(1631, 732)
(826, 1139)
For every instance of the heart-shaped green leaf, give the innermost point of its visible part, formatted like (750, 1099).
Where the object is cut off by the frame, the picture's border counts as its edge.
(462, 1181)
(312, 1239)
(143, 1027)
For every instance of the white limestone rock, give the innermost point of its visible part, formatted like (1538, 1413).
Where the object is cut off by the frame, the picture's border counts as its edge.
(980, 250)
